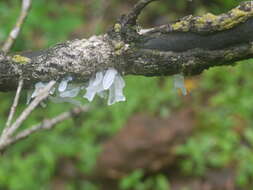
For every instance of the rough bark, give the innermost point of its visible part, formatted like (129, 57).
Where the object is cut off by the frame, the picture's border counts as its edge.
(187, 46)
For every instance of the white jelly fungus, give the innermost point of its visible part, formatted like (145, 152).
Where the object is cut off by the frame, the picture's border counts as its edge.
(64, 83)
(99, 84)
(106, 84)
(109, 80)
(70, 92)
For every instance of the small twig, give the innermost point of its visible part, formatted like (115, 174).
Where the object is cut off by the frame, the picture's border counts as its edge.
(45, 125)
(133, 15)
(26, 4)
(41, 96)
(14, 105)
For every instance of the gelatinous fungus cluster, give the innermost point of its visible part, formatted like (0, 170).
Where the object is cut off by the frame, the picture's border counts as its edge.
(106, 84)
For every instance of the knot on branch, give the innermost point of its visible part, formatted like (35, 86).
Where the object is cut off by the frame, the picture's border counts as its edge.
(126, 28)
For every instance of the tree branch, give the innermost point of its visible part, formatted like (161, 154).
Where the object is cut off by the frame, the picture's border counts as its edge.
(15, 104)
(188, 46)
(45, 125)
(131, 18)
(8, 132)
(26, 4)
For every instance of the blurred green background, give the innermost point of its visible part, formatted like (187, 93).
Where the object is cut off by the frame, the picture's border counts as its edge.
(221, 98)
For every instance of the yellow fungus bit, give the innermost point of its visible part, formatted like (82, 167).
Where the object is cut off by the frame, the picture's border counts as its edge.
(117, 27)
(21, 59)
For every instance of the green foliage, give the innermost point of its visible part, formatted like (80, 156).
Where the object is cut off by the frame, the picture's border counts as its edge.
(76, 138)
(135, 181)
(47, 24)
(225, 134)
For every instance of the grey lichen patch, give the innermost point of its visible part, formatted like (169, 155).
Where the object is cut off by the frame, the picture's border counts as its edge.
(78, 58)
(210, 23)
(21, 59)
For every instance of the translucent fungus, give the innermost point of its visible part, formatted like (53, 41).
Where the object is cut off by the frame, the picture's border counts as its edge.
(179, 83)
(33, 94)
(95, 86)
(38, 87)
(106, 84)
(64, 83)
(116, 91)
(70, 92)
(68, 100)
(109, 78)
